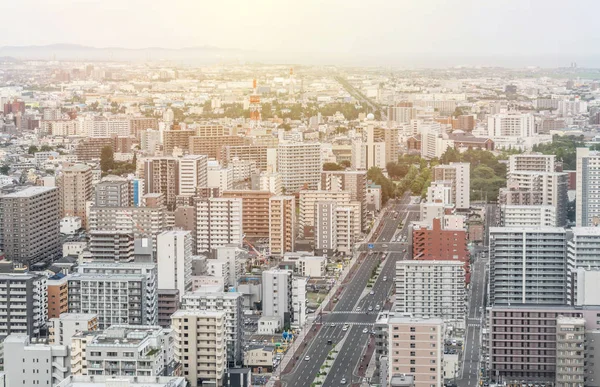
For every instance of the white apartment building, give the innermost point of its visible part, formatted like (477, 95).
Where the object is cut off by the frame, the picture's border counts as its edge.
(29, 363)
(282, 224)
(528, 216)
(150, 141)
(309, 266)
(427, 289)
(201, 345)
(118, 292)
(440, 192)
(511, 124)
(270, 181)
(582, 254)
(193, 172)
(534, 162)
(24, 301)
(219, 177)
(108, 127)
(124, 350)
(299, 165)
(242, 169)
(277, 287)
(123, 381)
(336, 227)
(63, 328)
(308, 200)
(587, 202)
(174, 259)
(234, 258)
(231, 303)
(434, 143)
(459, 176)
(218, 223)
(299, 300)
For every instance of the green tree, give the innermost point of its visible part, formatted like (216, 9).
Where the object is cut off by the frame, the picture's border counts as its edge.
(107, 159)
(4, 170)
(332, 167)
(32, 149)
(46, 148)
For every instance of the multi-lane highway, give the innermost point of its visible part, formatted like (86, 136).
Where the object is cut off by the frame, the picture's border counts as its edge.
(356, 295)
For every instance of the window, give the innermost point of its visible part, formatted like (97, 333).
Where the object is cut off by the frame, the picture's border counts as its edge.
(413, 337)
(412, 329)
(412, 369)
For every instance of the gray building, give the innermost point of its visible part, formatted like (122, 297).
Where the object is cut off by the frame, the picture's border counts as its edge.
(277, 295)
(30, 225)
(24, 301)
(587, 200)
(528, 265)
(114, 191)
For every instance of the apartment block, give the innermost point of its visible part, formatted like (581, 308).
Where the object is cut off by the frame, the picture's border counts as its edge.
(114, 191)
(168, 303)
(528, 216)
(255, 211)
(256, 153)
(277, 295)
(300, 165)
(177, 140)
(268, 181)
(201, 345)
(299, 301)
(336, 228)
(64, 327)
(308, 200)
(132, 381)
(587, 201)
(58, 293)
(139, 124)
(353, 181)
(432, 289)
(31, 363)
(416, 348)
(75, 187)
(174, 259)
(161, 175)
(30, 225)
(282, 224)
(459, 175)
(570, 354)
(24, 302)
(193, 172)
(528, 265)
(118, 292)
(533, 162)
(124, 350)
(212, 145)
(218, 223)
(231, 303)
(219, 177)
(582, 248)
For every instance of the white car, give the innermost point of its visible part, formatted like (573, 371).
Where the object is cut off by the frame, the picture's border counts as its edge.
(377, 307)
(344, 329)
(371, 292)
(307, 358)
(366, 330)
(332, 325)
(343, 381)
(358, 309)
(384, 278)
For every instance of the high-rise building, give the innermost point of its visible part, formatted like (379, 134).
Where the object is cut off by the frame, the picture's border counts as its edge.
(75, 187)
(64, 327)
(369, 151)
(255, 211)
(26, 304)
(459, 175)
(416, 348)
(118, 292)
(582, 253)
(353, 181)
(533, 162)
(587, 201)
(256, 153)
(219, 177)
(30, 225)
(161, 175)
(201, 345)
(570, 359)
(336, 227)
(114, 191)
(511, 124)
(205, 298)
(192, 173)
(177, 140)
(212, 145)
(308, 200)
(140, 124)
(528, 216)
(390, 136)
(218, 223)
(432, 289)
(58, 296)
(277, 295)
(528, 265)
(300, 165)
(402, 114)
(282, 224)
(174, 259)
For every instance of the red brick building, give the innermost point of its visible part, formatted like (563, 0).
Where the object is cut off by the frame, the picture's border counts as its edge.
(435, 243)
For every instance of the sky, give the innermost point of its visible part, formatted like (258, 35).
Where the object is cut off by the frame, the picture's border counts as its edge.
(373, 28)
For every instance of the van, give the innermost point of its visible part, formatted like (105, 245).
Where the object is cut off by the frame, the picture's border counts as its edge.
(329, 342)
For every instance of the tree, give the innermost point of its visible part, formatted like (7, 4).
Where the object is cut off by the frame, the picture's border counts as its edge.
(46, 148)
(32, 149)
(107, 159)
(332, 167)
(4, 170)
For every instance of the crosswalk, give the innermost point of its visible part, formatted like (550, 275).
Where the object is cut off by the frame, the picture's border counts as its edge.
(474, 325)
(346, 312)
(365, 324)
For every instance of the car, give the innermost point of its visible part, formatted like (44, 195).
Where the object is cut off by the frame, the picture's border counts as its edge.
(384, 246)
(332, 325)
(306, 358)
(370, 308)
(371, 292)
(329, 342)
(453, 342)
(404, 251)
(377, 307)
(384, 278)
(344, 329)
(343, 381)
(366, 330)
(358, 309)
(278, 356)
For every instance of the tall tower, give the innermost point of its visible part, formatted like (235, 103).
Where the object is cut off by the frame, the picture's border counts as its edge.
(254, 106)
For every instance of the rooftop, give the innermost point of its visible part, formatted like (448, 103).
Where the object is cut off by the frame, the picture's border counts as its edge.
(29, 192)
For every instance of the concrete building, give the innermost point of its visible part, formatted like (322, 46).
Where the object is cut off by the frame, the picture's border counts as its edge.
(390, 137)
(26, 304)
(308, 200)
(268, 181)
(75, 187)
(31, 363)
(427, 289)
(570, 359)
(336, 227)
(219, 177)
(255, 153)
(201, 345)
(212, 145)
(118, 292)
(533, 162)
(282, 224)
(30, 225)
(230, 303)
(587, 201)
(255, 211)
(58, 293)
(168, 303)
(161, 175)
(123, 381)
(63, 328)
(218, 223)
(233, 258)
(459, 175)
(177, 141)
(416, 348)
(300, 165)
(277, 295)
(353, 181)
(527, 265)
(511, 124)
(174, 259)
(124, 350)
(528, 216)
(114, 191)
(299, 301)
(582, 249)
(193, 172)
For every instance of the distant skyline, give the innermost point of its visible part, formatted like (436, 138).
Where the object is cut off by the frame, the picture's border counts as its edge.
(389, 31)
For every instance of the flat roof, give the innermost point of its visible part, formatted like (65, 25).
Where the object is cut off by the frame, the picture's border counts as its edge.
(28, 192)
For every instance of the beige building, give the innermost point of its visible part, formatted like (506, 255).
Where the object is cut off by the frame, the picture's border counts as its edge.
(282, 224)
(255, 211)
(75, 185)
(308, 201)
(193, 172)
(416, 348)
(177, 140)
(201, 345)
(161, 175)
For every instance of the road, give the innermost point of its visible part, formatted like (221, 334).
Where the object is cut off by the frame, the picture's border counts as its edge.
(469, 374)
(355, 295)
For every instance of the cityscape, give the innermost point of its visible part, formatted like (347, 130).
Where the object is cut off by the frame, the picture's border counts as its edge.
(203, 214)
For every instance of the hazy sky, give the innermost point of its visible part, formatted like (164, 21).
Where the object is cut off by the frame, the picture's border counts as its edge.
(368, 27)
